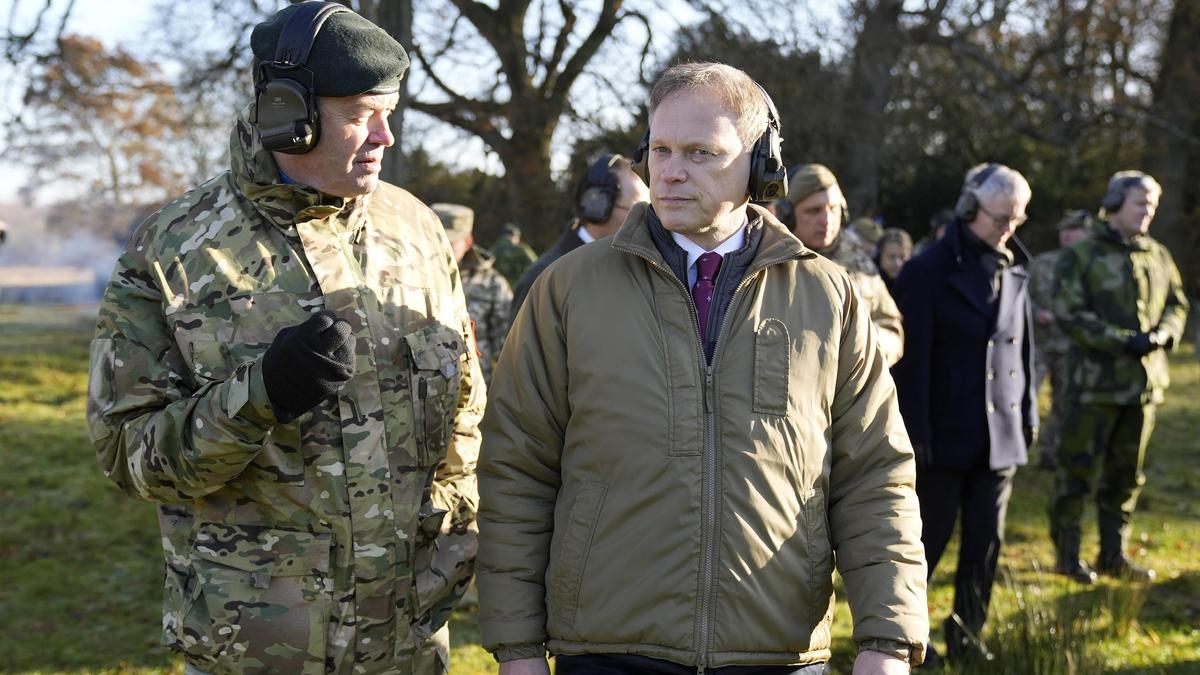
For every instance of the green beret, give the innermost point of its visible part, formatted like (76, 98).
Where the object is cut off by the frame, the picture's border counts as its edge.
(810, 178)
(868, 229)
(1074, 219)
(350, 55)
(458, 220)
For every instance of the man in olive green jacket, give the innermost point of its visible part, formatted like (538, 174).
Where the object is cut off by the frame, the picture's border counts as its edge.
(666, 475)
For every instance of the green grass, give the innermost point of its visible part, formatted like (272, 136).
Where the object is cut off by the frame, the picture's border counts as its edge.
(80, 562)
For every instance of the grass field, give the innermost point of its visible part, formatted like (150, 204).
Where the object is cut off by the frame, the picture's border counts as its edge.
(80, 577)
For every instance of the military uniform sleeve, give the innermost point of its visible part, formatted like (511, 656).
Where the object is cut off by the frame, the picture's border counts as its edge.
(1072, 308)
(886, 317)
(520, 477)
(1174, 316)
(874, 516)
(156, 436)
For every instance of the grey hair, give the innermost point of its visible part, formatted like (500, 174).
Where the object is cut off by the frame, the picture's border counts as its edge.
(1002, 182)
(737, 90)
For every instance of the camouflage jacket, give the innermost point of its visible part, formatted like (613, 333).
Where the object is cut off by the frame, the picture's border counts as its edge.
(1048, 337)
(1106, 291)
(489, 298)
(884, 312)
(332, 544)
(512, 259)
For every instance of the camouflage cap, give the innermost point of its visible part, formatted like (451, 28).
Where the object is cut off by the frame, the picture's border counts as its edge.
(458, 220)
(868, 229)
(807, 179)
(350, 55)
(1074, 219)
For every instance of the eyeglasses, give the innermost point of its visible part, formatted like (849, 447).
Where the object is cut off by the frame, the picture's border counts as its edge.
(1004, 220)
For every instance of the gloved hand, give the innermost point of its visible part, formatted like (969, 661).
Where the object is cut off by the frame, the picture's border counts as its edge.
(1141, 344)
(306, 363)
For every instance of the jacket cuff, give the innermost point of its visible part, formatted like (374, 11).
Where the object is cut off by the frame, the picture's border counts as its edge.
(914, 655)
(528, 650)
(247, 397)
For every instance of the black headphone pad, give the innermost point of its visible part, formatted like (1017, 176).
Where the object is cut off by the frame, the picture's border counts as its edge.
(286, 116)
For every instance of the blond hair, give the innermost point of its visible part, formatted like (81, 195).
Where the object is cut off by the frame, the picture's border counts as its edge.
(737, 91)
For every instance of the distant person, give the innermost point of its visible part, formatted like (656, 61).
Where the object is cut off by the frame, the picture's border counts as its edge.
(1119, 298)
(868, 231)
(1050, 359)
(602, 200)
(966, 387)
(488, 294)
(676, 445)
(937, 229)
(818, 216)
(512, 255)
(283, 363)
(894, 249)
(3, 232)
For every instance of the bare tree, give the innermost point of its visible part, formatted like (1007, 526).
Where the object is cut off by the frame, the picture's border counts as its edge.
(1173, 137)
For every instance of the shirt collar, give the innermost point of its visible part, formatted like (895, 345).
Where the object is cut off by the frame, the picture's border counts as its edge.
(693, 250)
(583, 234)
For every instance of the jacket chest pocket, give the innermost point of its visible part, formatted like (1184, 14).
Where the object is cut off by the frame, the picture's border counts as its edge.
(436, 357)
(772, 367)
(261, 596)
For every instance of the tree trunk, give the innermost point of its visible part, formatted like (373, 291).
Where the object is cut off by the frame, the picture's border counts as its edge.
(535, 202)
(396, 17)
(1172, 140)
(870, 89)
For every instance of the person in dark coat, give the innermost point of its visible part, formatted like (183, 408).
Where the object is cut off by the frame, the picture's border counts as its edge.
(603, 197)
(966, 385)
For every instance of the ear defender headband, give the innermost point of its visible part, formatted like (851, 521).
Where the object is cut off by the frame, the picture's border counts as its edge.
(967, 206)
(286, 107)
(1114, 197)
(768, 175)
(597, 193)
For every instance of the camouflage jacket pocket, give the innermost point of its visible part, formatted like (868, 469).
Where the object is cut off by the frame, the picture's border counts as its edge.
(436, 355)
(262, 599)
(101, 393)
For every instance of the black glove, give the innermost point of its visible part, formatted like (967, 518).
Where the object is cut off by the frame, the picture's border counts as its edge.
(1141, 344)
(307, 363)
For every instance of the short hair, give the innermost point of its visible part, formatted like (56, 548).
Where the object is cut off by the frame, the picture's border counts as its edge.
(1124, 181)
(1001, 182)
(894, 235)
(738, 92)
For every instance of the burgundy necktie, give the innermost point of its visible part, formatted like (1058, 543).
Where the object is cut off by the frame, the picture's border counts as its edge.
(707, 266)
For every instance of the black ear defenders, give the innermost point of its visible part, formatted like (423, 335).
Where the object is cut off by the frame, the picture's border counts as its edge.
(286, 110)
(967, 206)
(768, 175)
(1114, 197)
(597, 193)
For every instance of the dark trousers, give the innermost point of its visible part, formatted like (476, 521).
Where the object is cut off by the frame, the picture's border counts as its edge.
(981, 495)
(632, 664)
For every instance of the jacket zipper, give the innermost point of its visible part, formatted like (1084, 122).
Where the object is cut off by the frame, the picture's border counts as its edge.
(708, 535)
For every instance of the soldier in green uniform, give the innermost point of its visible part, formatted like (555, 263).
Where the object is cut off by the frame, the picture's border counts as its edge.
(283, 364)
(513, 256)
(1120, 300)
(1050, 343)
(817, 219)
(488, 295)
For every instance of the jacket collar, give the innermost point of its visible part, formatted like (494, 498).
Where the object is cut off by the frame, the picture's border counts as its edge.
(477, 258)
(256, 176)
(1104, 231)
(777, 245)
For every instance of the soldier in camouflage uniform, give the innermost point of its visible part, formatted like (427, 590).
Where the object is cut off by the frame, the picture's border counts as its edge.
(818, 214)
(283, 364)
(513, 256)
(489, 296)
(1050, 343)
(1120, 300)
